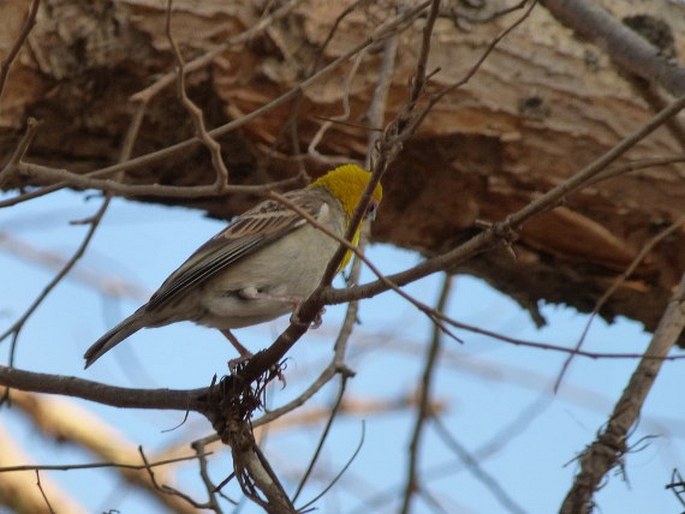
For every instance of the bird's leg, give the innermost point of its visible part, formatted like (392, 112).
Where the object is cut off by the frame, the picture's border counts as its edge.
(245, 354)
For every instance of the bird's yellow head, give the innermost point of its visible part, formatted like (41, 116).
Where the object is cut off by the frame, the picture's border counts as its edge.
(347, 183)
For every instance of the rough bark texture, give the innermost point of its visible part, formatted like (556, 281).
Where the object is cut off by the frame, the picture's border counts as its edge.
(542, 106)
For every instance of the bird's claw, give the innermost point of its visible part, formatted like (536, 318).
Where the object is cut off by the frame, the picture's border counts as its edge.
(234, 364)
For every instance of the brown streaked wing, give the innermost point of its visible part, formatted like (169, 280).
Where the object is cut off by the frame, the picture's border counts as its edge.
(249, 232)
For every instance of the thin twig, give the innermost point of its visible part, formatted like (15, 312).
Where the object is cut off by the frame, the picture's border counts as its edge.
(166, 489)
(66, 178)
(195, 112)
(656, 102)
(477, 471)
(618, 281)
(636, 165)
(328, 123)
(7, 62)
(376, 112)
(42, 492)
(324, 435)
(97, 465)
(340, 474)
(212, 501)
(419, 79)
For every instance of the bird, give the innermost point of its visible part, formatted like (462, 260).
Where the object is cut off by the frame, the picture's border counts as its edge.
(262, 265)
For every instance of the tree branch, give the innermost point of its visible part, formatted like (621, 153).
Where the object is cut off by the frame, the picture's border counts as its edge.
(166, 399)
(610, 446)
(627, 49)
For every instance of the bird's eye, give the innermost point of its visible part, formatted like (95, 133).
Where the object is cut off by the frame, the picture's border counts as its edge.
(371, 211)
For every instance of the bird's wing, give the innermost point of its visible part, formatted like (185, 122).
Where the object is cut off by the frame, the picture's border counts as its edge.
(252, 230)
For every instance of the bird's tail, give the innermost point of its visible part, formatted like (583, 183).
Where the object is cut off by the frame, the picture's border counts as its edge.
(130, 325)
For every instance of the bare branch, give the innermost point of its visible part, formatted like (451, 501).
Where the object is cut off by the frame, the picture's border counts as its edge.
(629, 50)
(376, 111)
(611, 445)
(166, 399)
(306, 506)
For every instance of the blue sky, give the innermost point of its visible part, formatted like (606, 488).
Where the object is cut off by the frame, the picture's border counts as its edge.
(496, 396)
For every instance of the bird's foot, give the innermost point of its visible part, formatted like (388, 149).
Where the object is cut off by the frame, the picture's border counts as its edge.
(275, 370)
(234, 364)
